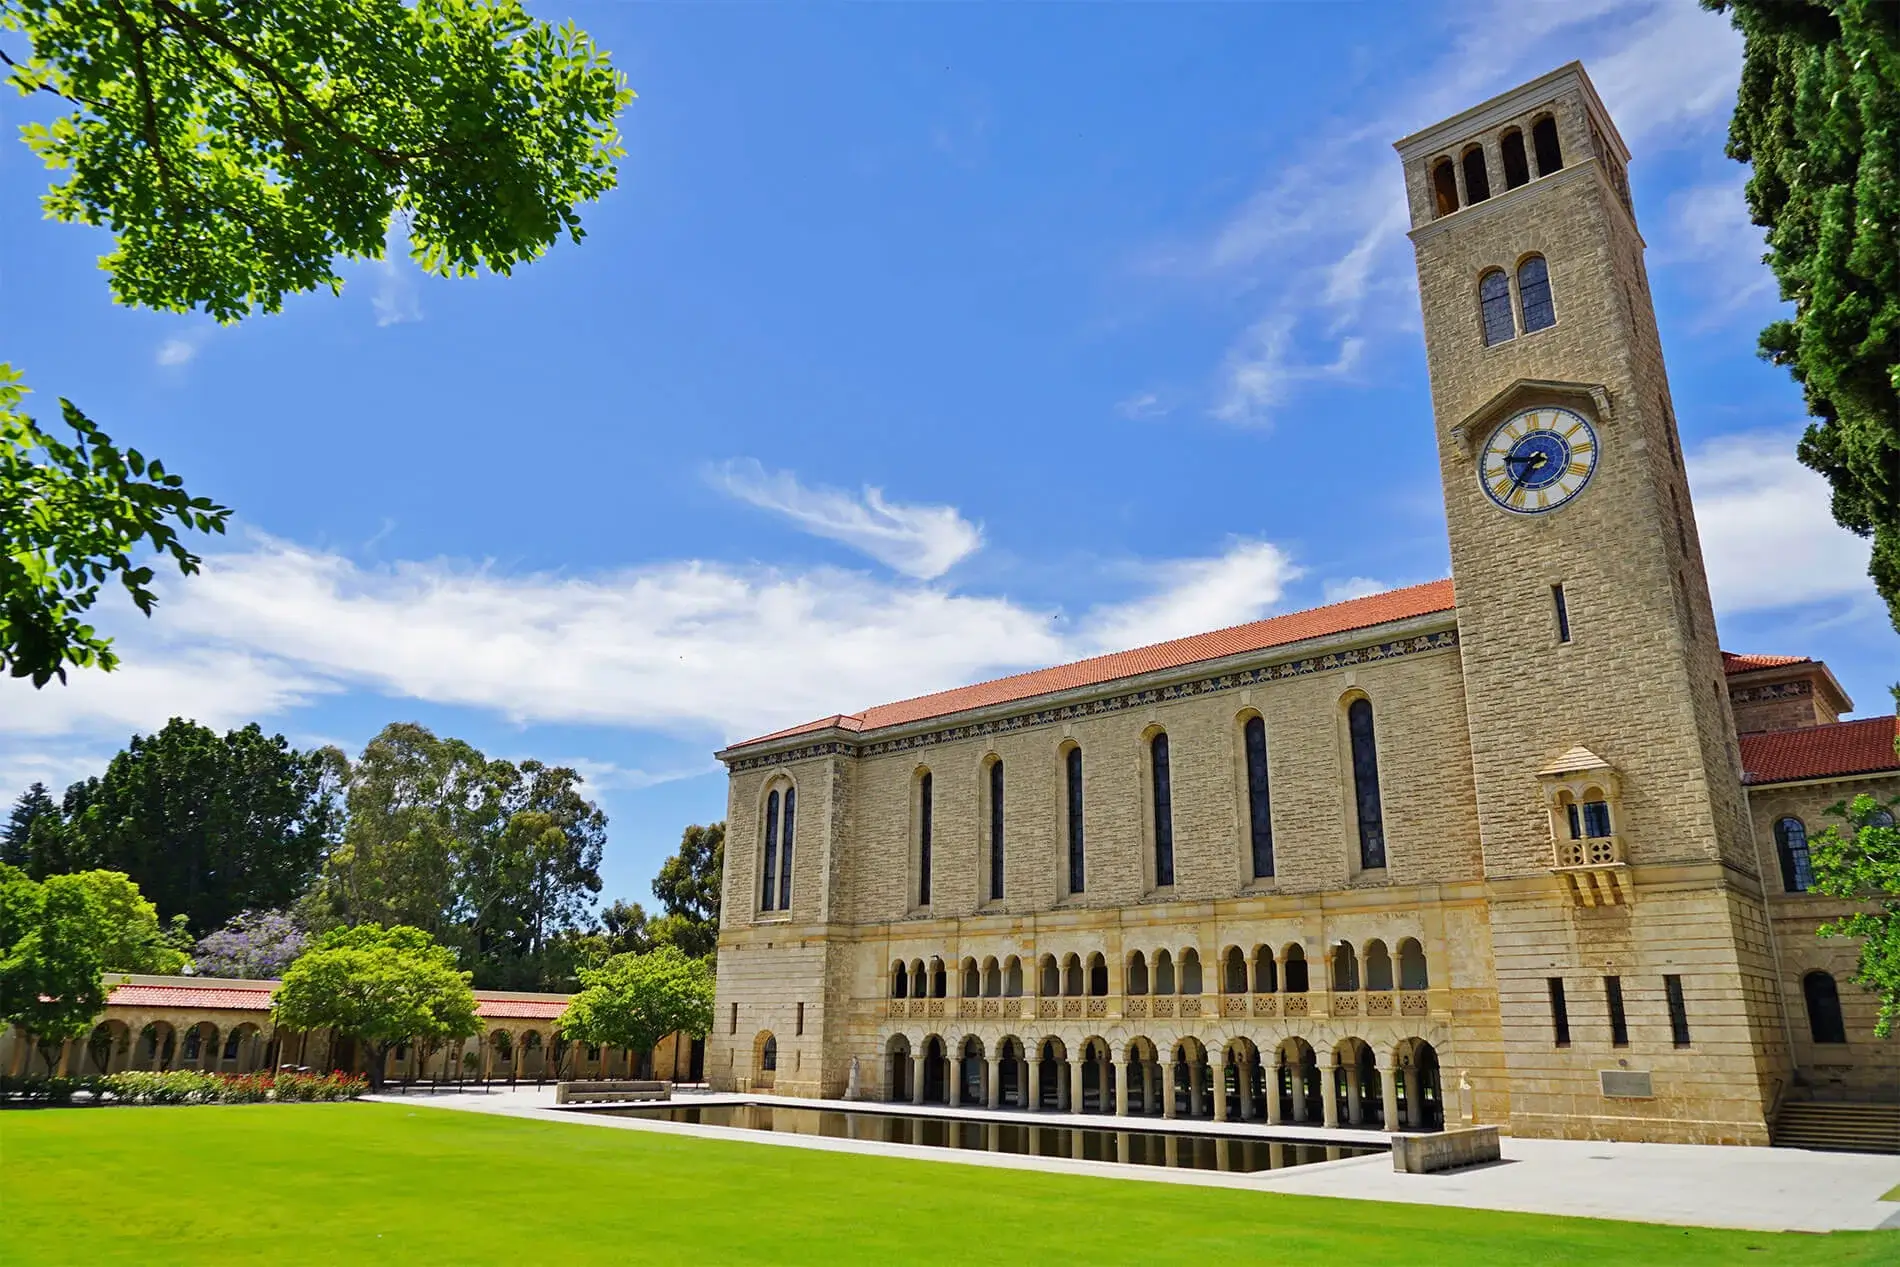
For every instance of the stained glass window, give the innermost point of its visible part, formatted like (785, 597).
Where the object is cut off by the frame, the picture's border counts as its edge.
(1533, 291)
(1164, 811)
(1791, 842)
(923, 840)
(1078, 871)
(1365, 779)
(1494, 299)
(1259, 808)
(770, 889)
(785, 851)
(996, 830)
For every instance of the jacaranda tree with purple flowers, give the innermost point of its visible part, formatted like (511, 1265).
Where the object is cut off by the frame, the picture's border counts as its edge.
(251, 944)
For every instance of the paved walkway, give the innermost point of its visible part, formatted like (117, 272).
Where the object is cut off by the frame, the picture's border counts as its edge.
(1766, 1189)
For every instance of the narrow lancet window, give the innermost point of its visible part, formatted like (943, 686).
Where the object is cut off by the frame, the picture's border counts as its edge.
(1494, 303)
(1163, 810)
(923, 839)
(1444, 188)
(1791, 843)
(1477, 179)
(1563, 612)
(1365, 779)
(1078, 868)
(769, 891)
(1550, 158)
(1517, 167)
(1533, 293)
(1259, 806)
(785, 850)
(996, 830)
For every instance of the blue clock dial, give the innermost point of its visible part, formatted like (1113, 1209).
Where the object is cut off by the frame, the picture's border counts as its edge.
(1538, 459)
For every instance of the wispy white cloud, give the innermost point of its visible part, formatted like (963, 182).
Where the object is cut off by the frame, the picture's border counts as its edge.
(1767, 537)
(697, 650)
(1708, 233)
(920, 541)
(178, 350)
(1259, 373)
(1144, 406)
(395, 301)
(1352, 587)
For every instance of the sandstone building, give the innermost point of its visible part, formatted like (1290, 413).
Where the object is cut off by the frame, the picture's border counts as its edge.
(1520, 847)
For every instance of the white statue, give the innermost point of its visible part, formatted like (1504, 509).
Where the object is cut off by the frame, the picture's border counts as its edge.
(851, 1090)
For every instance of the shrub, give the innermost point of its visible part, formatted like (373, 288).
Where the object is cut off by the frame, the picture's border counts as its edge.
(188, 1086)
(46, 1090)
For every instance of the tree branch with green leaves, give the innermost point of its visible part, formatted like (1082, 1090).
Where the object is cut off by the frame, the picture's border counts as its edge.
(1861, 864)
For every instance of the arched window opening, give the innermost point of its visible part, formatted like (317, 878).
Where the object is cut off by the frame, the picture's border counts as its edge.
(1477, 179)
(1791, 844)
(1051, 983)
(1294, 961)
(1533, 294)
(1137, 973)
(1163, 792)
(1259, 806)
(1824, 1008)
(1517, 165)
(768, 1055)
(1378, 966)
(1365, 779)
(1233, 972)
(1494, 302)
(1345, 969)
(1881, 817)
(1412, 975)
(1190, 971)
(899, 981)
(923, 838)
(996, 830)
(1072, 976)
(1550, 157)
(1444, 188)
(768, 894)
(1164, 972)
(919, 983)
(972, 979)
(992, 979)
(785, 850)
(1078, 871)
(1589, 820)
(939, 980)
(1098, 976)
(1266, 974)
(1013, 978)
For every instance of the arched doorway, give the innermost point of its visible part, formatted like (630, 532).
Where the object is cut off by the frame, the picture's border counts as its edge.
(1420, 1089)
(936, 1072)
(898, 1068)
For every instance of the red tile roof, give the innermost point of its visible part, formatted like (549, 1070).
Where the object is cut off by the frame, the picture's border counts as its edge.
(1318, 622)
(195, 998)
(519, 1009)
(1820, 752)
(1733, 663)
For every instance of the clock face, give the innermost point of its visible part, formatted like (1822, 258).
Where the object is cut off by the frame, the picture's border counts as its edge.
(1538, 459)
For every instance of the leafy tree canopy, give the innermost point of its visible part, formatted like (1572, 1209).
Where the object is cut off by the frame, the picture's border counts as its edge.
(237, 152)
(130, 936)
(208, 825)
(1818, 116)
(634, 1001)
(74, 514)
(1862, 864)
(380, 985)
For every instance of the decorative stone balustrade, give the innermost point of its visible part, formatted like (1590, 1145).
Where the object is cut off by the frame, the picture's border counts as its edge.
(1594, 869)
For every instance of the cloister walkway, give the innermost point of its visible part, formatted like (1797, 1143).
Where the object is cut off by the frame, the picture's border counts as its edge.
(1765, 1189)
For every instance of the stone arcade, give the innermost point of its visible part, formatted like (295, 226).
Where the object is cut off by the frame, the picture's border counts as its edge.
(1523, 847)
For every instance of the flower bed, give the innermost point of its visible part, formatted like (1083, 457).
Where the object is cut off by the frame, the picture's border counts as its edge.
(186, 1086)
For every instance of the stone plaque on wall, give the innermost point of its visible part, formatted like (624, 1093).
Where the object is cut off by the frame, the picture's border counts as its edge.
(1627, 1084)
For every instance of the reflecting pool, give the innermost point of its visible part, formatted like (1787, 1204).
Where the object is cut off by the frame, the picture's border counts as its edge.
(1133, 1147)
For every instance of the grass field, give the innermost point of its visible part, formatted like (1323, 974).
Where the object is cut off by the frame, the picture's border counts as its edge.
(391, 1183)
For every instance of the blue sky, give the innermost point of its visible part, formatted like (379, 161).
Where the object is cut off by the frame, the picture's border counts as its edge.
(918, 344)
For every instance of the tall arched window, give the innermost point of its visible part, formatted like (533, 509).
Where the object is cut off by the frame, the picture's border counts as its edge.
(1791, 844)
(1078, 868)
(1137, 982)
(1824, 1008)
(1517, 167)
(1233, 971)
(923, 838)
(1413, 974)
(1444, 188)
(1163, 810)
(899, 980)
(1533, 294)
(1293, 964)
(1266, 975)
(1345, 968)
(1098, 975)
(1259, 807)
(768, 893)
(1050, 984)
(1013, 978)
(768, 1055)
(996, 829)
(1365, 781)
(1477, 179)
(785, 849)
(1494, 302)
(1550, 157)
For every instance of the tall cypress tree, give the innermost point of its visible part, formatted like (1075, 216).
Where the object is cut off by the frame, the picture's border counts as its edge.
(1818, 117)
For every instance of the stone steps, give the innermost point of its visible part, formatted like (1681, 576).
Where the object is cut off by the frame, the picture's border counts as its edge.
(1834, 1127)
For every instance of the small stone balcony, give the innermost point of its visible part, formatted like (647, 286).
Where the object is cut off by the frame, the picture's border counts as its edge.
(1595, 870)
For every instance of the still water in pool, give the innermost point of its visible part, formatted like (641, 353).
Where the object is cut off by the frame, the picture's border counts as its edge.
(1138, 1148)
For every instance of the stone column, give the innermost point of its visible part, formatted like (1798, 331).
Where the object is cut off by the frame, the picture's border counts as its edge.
(1389, 1085)
(992, 1082)
(1197, 1090)
(1077, 1103)
(1273, 1091)
(1329, 1094)
(1220, 1091)
(1355, 1108)
(1297, 1073)
(1035, 1084)
(1118, 1078)
(1243, 1077)
(1148, 1080)
(66, 1058)
(1167, 1089)
(917, 1079)
(1414, 1103)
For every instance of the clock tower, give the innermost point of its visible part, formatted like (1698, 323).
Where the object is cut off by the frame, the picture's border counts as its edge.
(1634, 969)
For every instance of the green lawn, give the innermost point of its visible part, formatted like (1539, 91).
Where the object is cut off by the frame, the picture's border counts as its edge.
(400, 1184)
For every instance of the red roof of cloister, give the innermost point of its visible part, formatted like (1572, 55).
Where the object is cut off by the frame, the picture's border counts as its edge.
(1259, 635)
(254, 996)
(1734, 663)
(1820, 752)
